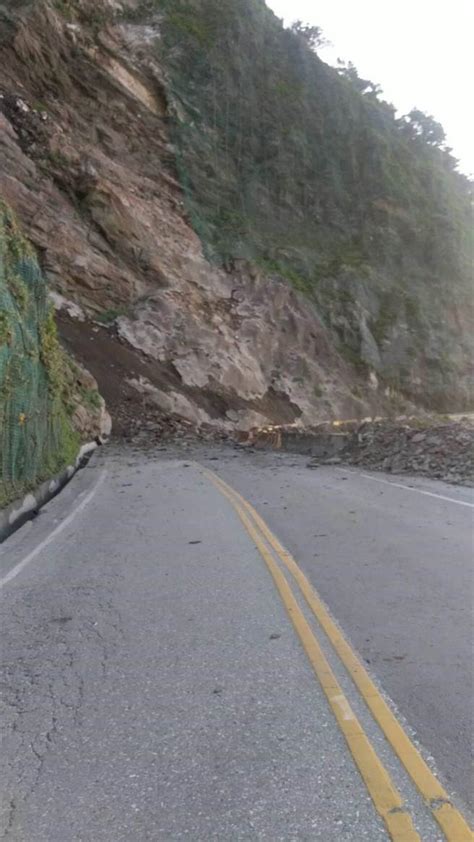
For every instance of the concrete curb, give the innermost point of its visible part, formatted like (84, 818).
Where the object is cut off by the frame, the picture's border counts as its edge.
(18, 512)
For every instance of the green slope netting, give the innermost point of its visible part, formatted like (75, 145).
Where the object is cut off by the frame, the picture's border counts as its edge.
(36, 438)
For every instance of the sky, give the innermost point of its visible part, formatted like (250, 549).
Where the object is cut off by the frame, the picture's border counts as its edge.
(419, 51)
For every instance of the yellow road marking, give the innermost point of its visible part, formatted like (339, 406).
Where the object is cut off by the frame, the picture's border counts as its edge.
(451, 821)
(384, 794)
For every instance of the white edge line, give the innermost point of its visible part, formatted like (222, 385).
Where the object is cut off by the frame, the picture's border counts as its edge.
(408, 488)
(22, 564)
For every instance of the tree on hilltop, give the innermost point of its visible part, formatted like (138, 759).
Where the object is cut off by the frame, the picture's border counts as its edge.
(313, 35)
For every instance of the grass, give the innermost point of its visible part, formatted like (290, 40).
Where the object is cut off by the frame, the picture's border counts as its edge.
(108, 317)
(6, 333)
(285, 272)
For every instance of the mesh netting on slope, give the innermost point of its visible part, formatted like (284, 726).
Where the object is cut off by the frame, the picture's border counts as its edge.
(36, 439)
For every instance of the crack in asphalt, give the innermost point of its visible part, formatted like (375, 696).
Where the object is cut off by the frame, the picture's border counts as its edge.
(44, 659)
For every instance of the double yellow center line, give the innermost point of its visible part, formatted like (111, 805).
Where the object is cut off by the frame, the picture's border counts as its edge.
(384, 794)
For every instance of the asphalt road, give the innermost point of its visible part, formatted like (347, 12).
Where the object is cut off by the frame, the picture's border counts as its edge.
(154, 687)
(395, 566)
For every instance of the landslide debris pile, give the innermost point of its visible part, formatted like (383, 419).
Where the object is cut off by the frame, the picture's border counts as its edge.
(236, 233)
(441, 449)
(431, 446)
(48, 404)
(444, 450)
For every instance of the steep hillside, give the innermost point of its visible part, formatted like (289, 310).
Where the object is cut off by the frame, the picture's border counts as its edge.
(234, 232)
(307, 172)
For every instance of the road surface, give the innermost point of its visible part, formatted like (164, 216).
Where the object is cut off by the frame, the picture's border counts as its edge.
(169, 673)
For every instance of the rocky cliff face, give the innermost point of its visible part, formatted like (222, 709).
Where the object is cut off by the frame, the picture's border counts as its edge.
(88, 160)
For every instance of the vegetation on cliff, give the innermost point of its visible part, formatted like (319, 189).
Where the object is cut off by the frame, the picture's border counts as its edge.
(307, 171)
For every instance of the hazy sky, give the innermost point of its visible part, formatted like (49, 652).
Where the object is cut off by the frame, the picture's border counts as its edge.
(419, 51)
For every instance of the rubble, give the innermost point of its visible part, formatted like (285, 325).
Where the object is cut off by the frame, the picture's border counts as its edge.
(440, 449)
